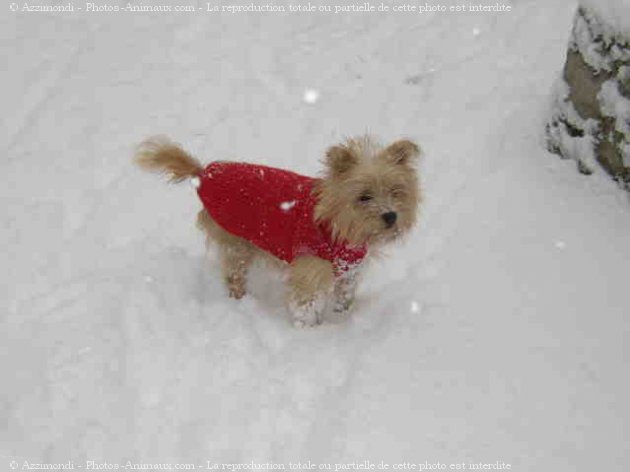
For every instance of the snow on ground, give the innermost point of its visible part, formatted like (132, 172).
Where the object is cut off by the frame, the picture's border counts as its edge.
(497, 331)
(616, 14)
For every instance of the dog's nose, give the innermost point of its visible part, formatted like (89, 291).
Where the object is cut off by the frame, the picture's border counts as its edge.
(389, 218)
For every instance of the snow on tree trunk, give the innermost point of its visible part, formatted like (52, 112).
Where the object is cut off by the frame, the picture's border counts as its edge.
(590, 120)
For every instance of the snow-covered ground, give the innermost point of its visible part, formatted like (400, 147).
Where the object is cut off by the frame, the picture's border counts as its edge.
(498, 331)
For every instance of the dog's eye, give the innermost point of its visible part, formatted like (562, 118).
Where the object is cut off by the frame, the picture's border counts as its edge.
(366, 197)
(397, 192)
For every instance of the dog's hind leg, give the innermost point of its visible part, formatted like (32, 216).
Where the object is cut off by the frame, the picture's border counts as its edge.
(235, 262)
(236, 254)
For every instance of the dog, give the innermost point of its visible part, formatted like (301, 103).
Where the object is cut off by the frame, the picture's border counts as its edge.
(322, 228)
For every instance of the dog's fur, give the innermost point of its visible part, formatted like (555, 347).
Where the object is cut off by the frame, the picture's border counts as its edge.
(362, 182)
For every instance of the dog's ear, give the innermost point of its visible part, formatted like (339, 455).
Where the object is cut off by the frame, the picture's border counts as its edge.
(401, 152)
(340, 159)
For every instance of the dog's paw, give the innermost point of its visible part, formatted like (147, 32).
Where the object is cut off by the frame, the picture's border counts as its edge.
(343, 306)
(307, 314)
(305, 324)
(236, 289)
(306, 317)
(236, 294)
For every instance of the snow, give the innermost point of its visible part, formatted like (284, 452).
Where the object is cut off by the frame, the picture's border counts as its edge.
(286, 206)
(598, 41)
(119, 342)
(616, 106)
(195, 182)
(311, 96)
(615, 13)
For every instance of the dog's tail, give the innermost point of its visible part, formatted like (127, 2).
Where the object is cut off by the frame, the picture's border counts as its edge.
(160, 154)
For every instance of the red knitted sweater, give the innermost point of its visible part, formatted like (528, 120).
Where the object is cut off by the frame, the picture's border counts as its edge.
(273, 209)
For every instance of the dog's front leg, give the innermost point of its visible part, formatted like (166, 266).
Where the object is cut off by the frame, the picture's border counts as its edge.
(310, 282)
(345, 290)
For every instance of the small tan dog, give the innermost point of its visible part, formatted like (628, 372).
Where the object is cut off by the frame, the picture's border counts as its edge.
(321, 227)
